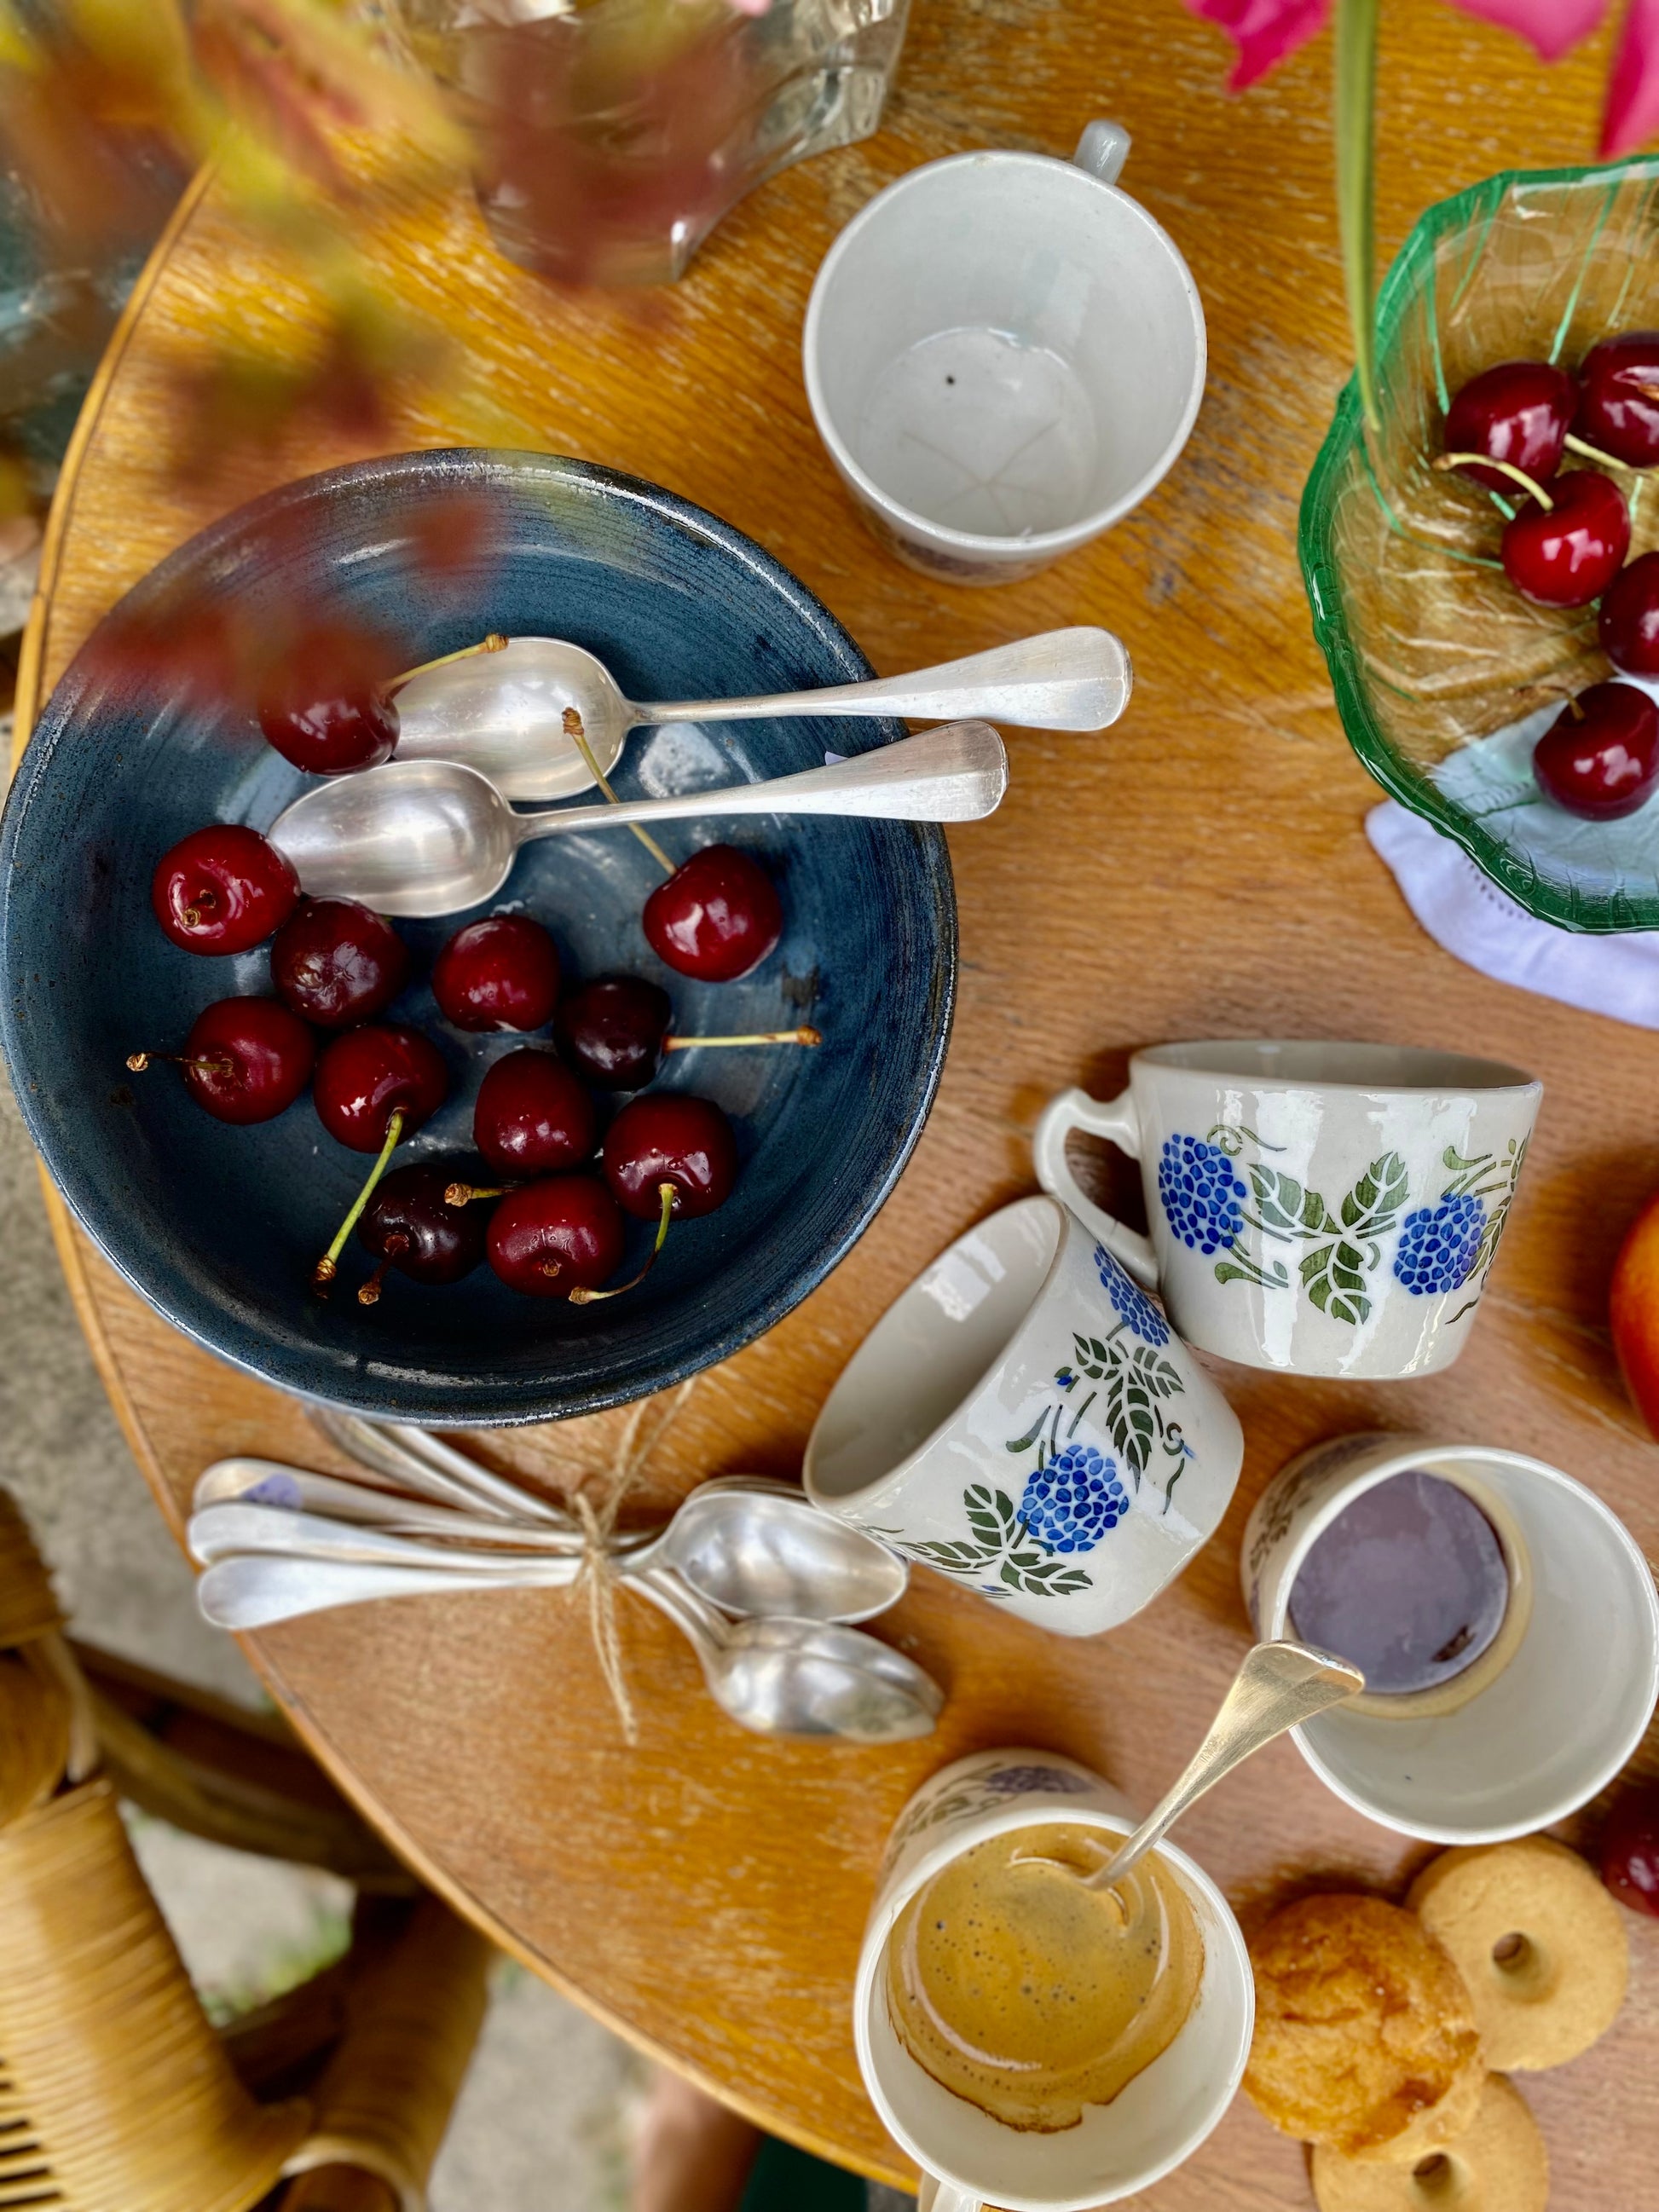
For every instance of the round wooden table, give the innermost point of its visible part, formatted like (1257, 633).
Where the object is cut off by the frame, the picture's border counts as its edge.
(1200, 870)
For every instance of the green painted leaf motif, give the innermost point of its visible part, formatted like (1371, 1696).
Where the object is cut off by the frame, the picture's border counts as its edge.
(1161, 1378)
(995, 1507)
(1377, 1197)
(1023, 1443)
(1130, 1419)
(1334, 1275)
(1286, 1207)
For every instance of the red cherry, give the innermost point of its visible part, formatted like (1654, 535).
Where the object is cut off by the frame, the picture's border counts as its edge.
(716, 917)
(1600, 757)
(1630, 1849)
(502, 973)
(223, 888)
(555, 1236)
(666, 1137)
(244, 1059)
(532, 1117)
(1519, 412)
(338, 963)
(365, 1076)
(408, 1225)
(613, 1029)
(1629, 620)
(1618, 413)
(1569, 556)
(326, 707)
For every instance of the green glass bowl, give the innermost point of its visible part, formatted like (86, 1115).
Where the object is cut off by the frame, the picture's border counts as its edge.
(1444, 676)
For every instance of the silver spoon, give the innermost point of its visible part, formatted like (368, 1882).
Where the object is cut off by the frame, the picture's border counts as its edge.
(1279, 1686)
(415, 1459)
(269, 1482)
(504, 713)
(430, 837)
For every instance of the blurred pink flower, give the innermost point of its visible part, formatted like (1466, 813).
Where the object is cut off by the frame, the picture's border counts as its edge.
(1632, 113)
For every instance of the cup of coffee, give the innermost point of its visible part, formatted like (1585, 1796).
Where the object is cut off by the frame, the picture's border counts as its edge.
(1004, 354)
(1034, 2044)
(1324, 1209)
(1024, 1420)
(1504, 1619)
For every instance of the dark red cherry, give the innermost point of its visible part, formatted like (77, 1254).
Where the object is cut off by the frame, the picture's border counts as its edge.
(338, 963)
(613, 1030)
(532, 1117)
(1568, 556)
(555, 1236)
(716, 917)
(1618, 413)
(1629, 620)
(502, 973)
(665, 1137)
(223, 888)
(244, 1059)
(1600, 757)
(326, 706)
(1519, 412)
(365, 1076)
(1630, 1849)
(410, 1226)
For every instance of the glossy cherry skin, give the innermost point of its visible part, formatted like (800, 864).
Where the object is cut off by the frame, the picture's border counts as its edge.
(611, 1030)
(223, 888)
(365, 1076)
(325, 707)
(1602, 761)
(1568, 557)
(1519, 412)
(556, 1237)
(716, 917)
(1630, 1848)
(663, 1136)
(1629, 618)
(502, 973)
(532, 1117)
(409, 1222)
(338, 963)
(271, 1051)
(1616, 415)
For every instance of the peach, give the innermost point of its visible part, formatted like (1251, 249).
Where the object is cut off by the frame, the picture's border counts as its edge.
(1633, 1312)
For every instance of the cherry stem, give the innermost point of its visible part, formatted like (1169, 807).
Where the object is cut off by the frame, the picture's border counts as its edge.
(1648, 391)
(138, 1061)
(203, 902)
(494, 643)
(463, 1193)
(578, 737)
(803, 1036)
(582, 1298)
(328, 1266)
(369, 1293)
(1594, 454)
(1504, 468)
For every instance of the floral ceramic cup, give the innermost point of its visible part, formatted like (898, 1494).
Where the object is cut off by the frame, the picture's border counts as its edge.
(968, 2158)
(1024, 1420)
(1324, 1209)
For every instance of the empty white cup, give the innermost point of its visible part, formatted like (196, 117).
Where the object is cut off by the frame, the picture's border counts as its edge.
(1004, 354)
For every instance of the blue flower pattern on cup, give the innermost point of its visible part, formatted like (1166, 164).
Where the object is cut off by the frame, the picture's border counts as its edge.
(1202, 1193)
(1135, 1308)
(1439, 1245)
(1073, 1500)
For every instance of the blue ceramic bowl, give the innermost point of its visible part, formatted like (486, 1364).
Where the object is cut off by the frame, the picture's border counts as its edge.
(218, 1227)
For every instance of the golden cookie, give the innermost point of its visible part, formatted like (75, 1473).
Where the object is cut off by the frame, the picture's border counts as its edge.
(1365, 2037)
(1538, 1940)
(1498, 2164)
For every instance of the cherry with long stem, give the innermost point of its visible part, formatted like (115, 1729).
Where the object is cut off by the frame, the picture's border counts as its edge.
(138, 1061)
(328, 1266)
(668, 1194)
(578, 737)
(806, 1034)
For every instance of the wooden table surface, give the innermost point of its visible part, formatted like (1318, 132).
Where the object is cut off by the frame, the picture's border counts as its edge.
(1201, 869)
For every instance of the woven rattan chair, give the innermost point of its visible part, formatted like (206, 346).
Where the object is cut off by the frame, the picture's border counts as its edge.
(116, 2092)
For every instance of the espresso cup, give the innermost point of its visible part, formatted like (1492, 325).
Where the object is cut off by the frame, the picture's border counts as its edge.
(1547, 1716)
(969, 2159)
(1024, 1420)
(1004, 354)
(1323, 1209)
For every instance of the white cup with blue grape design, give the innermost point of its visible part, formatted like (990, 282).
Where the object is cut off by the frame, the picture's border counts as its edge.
(1322, 1209)
(1025, 1421)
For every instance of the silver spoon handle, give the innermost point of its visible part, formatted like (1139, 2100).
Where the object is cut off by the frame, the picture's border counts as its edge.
(254, 1589)
(959, 774)
(1067, 680)
(421, 1461)
(1277, 1687)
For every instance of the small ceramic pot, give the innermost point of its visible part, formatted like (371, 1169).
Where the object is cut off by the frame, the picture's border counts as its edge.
(968, 2158)
(1024, 1420)
(1324, 1209)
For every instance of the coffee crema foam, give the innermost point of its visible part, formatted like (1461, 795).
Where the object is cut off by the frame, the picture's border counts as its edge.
(1028, 1996)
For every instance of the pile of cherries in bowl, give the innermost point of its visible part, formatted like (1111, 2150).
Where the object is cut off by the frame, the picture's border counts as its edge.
(551, 1218)
(1565, 544)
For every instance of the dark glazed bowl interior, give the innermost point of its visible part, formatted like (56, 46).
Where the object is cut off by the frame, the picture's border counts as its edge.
(218, 1227)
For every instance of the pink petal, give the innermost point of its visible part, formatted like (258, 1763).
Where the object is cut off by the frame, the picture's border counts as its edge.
(1264, 31)
(1631, 115)
(1550, 27)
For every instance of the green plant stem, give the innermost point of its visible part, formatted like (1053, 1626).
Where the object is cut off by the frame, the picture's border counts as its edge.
(1356, 197)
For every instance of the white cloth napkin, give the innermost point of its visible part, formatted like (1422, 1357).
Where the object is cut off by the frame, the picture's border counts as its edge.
(1465, 911)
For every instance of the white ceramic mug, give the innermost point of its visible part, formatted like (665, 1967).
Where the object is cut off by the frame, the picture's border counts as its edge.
(1024, 1420)
(1004, 354)
(1324, 1209)
(1546, 1727)
(968, 2158)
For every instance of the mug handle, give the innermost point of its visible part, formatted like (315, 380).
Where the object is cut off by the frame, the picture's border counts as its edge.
(1075, 1109)
(1103, 150)
(937, 2195)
